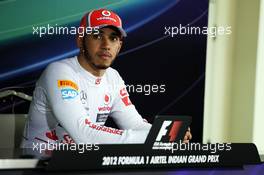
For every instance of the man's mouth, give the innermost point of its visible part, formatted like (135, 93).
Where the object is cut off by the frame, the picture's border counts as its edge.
(105, 55)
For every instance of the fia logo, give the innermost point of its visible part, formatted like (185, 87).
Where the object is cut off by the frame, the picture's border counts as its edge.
(169, 134)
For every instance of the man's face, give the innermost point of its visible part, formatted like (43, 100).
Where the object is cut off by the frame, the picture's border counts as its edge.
(101, 49)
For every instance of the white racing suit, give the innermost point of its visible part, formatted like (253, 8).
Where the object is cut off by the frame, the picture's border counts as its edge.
(70, 105)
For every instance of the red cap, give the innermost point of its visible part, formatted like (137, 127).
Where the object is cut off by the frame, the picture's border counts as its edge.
(101, 18)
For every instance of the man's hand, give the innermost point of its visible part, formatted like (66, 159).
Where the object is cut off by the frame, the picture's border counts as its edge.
(188, 136)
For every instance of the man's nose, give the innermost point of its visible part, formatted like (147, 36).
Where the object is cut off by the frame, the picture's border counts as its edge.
(105, 43)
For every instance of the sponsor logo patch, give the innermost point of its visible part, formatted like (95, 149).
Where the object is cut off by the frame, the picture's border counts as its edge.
(52, 135)
(69, 89)
(67, 83)
(103, 128)
(124, 97)
(68, 93)
(83, 97)
(102, 117)
(123, 92)
(107, 99)
(98, 81)
(105, 108)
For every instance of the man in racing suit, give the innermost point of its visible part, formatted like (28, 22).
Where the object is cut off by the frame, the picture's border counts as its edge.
(74, 96)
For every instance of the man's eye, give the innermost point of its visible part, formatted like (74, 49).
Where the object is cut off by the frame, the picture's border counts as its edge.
(114, 38)
(97, 36)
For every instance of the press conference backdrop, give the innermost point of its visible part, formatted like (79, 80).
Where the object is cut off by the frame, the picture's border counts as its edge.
(151, 57)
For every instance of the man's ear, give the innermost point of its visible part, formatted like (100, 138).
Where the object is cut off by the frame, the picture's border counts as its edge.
(120, 46)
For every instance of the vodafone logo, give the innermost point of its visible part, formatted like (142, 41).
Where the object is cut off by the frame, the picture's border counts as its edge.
(106, 13)
(107, 99)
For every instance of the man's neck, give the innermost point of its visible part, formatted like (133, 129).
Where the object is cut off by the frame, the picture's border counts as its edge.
(89, 67)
